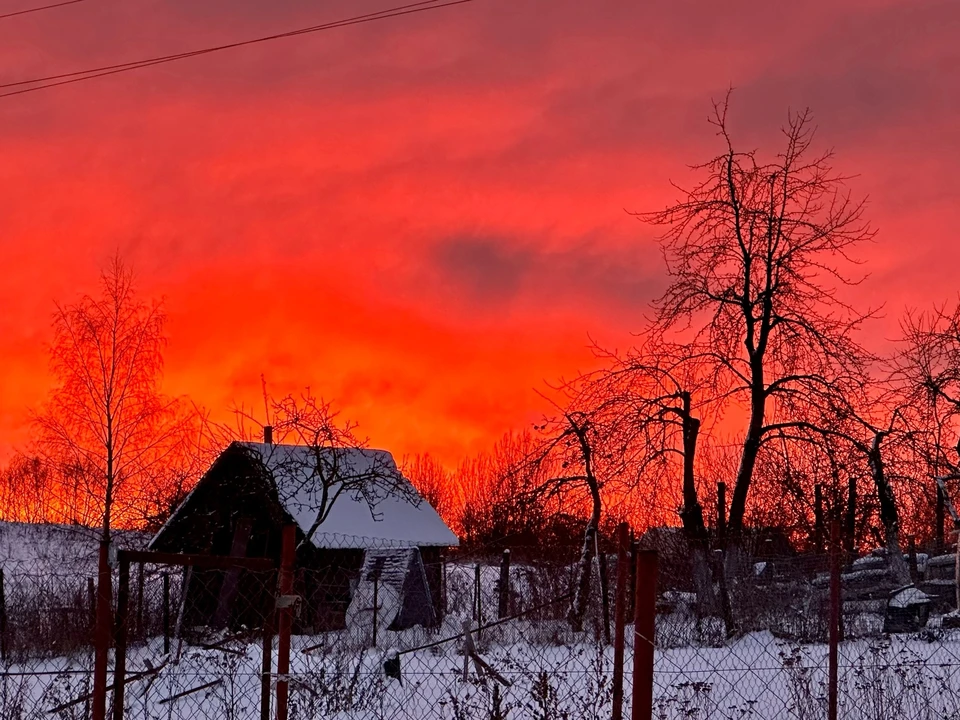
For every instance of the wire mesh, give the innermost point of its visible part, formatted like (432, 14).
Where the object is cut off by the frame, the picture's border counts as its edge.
(763, 650)
(399, 632)
(378, 632)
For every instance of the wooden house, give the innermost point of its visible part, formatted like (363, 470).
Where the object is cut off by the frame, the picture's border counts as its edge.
(350, 506)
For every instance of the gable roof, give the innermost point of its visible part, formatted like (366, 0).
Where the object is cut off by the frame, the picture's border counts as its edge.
(377, 508)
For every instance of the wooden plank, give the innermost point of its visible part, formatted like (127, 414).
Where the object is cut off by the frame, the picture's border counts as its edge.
(231, 578)
(191, 691)
(201, 561)
(84, 698)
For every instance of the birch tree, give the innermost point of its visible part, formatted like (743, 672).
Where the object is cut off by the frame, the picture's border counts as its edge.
(106, 423)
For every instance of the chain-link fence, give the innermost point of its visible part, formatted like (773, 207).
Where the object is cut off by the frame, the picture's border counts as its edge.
(813, 635)
(496, 644)
(404, 632)
(373, 632)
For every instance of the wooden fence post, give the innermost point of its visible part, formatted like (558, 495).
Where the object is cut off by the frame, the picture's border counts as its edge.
(141, 630)
(285, 628)
(912, 555)
(503, 595)
(166, 613)
(644, 629)
(478, 594)
(721, 513)
(376, 605)
(3, 619)
(120, 661)
(266, 666)
(835, 615)
(101, 634)
(818, 518)
(620, 619)
(602, 572)
(92, 603)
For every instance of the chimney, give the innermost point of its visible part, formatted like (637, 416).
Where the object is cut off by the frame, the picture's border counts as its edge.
(268, 435)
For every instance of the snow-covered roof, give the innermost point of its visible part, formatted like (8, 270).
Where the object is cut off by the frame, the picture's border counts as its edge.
(378, 507)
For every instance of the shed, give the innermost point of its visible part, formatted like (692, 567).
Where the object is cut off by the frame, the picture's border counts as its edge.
(348, 505)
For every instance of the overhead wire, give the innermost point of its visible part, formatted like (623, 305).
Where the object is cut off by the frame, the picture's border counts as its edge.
(90, 73)
(38, 9)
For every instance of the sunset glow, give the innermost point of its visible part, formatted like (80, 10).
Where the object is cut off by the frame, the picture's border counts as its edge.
(423, 218)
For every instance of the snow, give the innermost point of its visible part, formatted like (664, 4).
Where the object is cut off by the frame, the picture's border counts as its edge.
(389, 513)
(52, 549)
(909, 596)
(756, 676)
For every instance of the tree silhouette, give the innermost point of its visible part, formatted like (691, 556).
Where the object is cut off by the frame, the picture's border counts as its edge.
(752, 252)
(106, 424)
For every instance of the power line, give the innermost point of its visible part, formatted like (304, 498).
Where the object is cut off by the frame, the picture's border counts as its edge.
(90, 73)
(38, 9)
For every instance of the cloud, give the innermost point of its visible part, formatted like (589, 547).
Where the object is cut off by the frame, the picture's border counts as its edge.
(490, 275)
(445, 192)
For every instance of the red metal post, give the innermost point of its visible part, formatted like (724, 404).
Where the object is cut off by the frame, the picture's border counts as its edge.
(266, 666)
(101, 635)
(285, 625)
(120, 661)
(644, 628)
(620, 618)
(835, 614)
(503, 595)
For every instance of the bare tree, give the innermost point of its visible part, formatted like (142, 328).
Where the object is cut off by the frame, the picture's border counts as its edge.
(571, 447)
(328, 460)
(753, 253)
(27, 492)
(106, 424)
(435, 484)
(501, 507)
(925, 374)
(880, 451)
(643, 411)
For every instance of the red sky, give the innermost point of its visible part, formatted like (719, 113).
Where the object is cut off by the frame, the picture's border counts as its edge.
(424, 218)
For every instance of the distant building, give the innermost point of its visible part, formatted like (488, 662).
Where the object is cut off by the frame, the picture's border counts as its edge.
(252, 490)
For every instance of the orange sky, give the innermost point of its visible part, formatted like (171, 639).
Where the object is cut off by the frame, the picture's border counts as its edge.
(424, 218)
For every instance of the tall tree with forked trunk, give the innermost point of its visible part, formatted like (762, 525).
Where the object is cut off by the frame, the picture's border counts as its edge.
(754, 252)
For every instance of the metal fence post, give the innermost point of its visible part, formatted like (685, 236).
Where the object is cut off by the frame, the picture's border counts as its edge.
(503, 599)
(603, 576)
(3, 619)
(141, 630)
(166, 613)
(620, 618)
(376, 605)
(286, 619)
(835, 615)
(101, 635)
(266, 666)
(92, 607)
(120, 661)
(477, 592)
(643, 634)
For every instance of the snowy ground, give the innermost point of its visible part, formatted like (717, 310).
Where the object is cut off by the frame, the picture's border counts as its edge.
(757, 676)
(552, 673)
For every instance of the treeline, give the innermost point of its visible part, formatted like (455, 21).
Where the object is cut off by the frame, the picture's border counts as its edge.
(495, 501)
